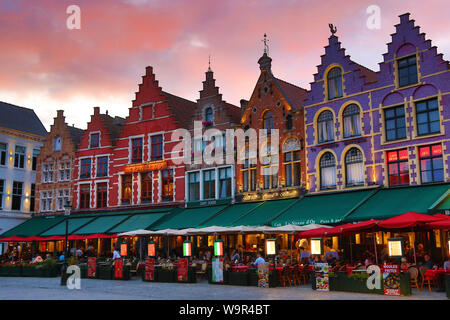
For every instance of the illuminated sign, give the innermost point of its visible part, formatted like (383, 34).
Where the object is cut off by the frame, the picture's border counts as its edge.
(123, 249)
(151, 249)
(149, 166)
(271, 247)
(218, 248)
(395, 247)
(187, 248)
(316, 246)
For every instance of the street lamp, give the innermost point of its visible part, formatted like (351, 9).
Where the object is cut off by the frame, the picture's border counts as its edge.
(67, 209)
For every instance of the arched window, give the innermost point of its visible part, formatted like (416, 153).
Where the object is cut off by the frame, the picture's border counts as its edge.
(268, 121)
(325, 126)
(354, 167)
(352, 121)
(327, 166)
(334, 81)
(209, 114)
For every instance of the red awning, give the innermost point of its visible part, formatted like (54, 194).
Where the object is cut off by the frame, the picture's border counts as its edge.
(348, 228)
(358, 227)
(319, 232)
(409, 219)
(441, 224)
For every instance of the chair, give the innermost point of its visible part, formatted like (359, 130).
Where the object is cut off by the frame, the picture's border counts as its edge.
(296, 277)
(285, 277)
(202, 271)
(304, 274)
(429, 279)
(414, 274)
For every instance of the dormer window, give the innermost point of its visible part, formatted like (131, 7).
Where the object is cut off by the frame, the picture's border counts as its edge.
(57, 142)
(407, 71)
(95, 140)
(334, 82)
(268, 121)
(209, 115)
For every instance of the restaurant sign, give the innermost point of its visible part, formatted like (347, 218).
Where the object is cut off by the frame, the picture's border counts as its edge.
(391, 280)
(217, 270)
(92, 264)
(321, 273)
(149, 269)
(182, 270)
(144, 167)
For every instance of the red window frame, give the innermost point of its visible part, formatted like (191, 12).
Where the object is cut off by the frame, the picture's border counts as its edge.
(102, 166)
(146, 187)
(157, 147)
(102, 195)
(167, 184)
(136, 150)
(127, 181)
(84, 196)
(396, 160)
(85, 168)
(95, 140)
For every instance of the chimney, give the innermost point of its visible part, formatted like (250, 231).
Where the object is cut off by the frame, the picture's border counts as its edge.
(106, 112)
(244, 104)
(96, 111)
(60, 113)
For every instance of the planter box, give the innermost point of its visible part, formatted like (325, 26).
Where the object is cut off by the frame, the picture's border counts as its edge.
(447, 285)
(28, 271)
(104, 272)
(239, 278)
(11, 271)
(166, 275)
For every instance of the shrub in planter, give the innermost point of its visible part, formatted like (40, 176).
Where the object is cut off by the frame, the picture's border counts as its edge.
(447, 285)
(253, 278)
(167, 275)
(28, 271)
(240, 278)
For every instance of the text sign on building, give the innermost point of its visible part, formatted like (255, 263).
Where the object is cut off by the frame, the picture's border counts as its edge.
(144, 167)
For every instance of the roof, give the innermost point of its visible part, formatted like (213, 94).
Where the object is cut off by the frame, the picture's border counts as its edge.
(21, 119)
(114, 125)
(76, 134)
(370, 75)
(183, 109)
(235, 112)
(293, 94)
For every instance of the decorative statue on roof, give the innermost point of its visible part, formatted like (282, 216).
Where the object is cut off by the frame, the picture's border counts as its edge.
(333, 29)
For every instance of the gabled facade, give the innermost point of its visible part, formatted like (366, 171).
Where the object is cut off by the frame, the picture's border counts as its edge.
(274, 104)
(211, 182)
(94, 160)
(54, 183)
(144, 172)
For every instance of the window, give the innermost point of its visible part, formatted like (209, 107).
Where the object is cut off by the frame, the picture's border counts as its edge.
(209, 115)
(289, 122)
(85, 191)
(407, 71)
(334, 82)
(3, 153)
(17, 195)
(352, 121)
(34, 161)
(102, 195)
(61, 198)
(395, 123)
(167, 185)
(157, 147)
(2, 186)
(127, 187)
(95, 140)
(354, 167)
(85, 169)
(102, 166)
(46, 201)
(292, 168)
(146, 187)
(32, 197)
(249, 172)
(270, 175)
(225, 182)
(64, 171)
(209, 184)
(327, 171)
(194, 186)
(57, 142)
(47, 173)
(398, 167)
(19, 157)
(431, 164)
(427, 113)
(136, 150)
(268, 121)
(325, 126)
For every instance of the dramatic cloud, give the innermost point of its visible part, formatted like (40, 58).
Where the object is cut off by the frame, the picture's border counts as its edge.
(46, 66)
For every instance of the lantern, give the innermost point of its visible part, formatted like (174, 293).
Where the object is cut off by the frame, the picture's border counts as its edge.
(151, 249)
(271, 248)
(187, 248)
(316, 246)
(124, 249)
(395, 246)
(218, 248)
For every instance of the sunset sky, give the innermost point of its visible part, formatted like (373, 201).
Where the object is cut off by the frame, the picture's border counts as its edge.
(46, 66)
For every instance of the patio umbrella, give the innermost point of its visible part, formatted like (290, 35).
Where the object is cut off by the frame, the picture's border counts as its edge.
(441, 224)
(409, 219)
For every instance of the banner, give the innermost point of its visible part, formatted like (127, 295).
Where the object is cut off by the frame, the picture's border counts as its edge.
(391, 280)
(92, 265)
(118, 268)
(217, 270)
(182, 269)
(149, 269)
(263, 275)
(321, 272)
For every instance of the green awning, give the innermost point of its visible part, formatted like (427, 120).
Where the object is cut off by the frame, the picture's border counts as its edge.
(391, 202)
(138, 221)
(322, 208)
(264, 213)
(231, 214)
(190, 218)
(60, 229)
(34, 226)
(101, 224)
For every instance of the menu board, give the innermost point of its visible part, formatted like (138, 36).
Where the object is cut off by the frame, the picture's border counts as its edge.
(123, 249)
(151, 250)
(149, 269)
(118, 268)
(217, 270)
(391, 280)
(92, 264)
(263, 275)
(321, 273)
(182, 269)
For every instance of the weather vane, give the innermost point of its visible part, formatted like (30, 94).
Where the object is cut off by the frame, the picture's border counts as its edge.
(209, 63)
(333, 29)
(266, 47)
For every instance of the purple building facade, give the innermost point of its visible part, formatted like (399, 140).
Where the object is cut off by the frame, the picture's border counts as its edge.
(389, 128)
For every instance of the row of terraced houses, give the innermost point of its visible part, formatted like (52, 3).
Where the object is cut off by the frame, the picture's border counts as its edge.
(354, 130)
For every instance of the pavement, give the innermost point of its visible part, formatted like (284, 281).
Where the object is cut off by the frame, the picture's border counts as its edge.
(91, 289)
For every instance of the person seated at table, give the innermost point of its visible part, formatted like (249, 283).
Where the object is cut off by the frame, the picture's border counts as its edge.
(330, 258)
(259, 259)
(447, 264)
(427, 262)
(317, 259)
(368, 261)
(36, 259)
(235, 256)
(404, 263)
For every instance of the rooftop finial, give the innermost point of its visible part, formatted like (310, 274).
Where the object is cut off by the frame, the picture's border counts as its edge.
(209, 63)
(333, 29)
(266, 47)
